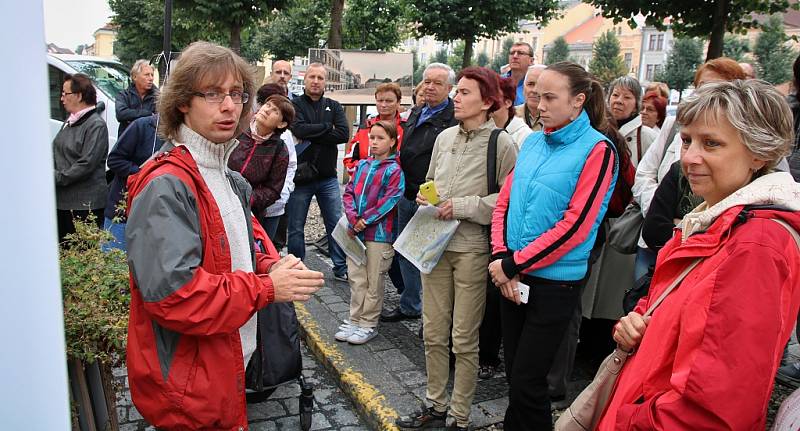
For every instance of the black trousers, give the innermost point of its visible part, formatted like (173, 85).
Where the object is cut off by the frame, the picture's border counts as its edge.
(532, 334)
(65, 224)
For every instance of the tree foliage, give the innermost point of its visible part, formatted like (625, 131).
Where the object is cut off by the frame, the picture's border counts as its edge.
(682, 61)
(456, 59)
(141, 29)
(704, 19)
(292, 31)
(374, 24)
(482, 59)
(232, 16)
(735, 47)
(773, 55)
(607, 64)
(559, 51)
(501, 59)
(468, 20)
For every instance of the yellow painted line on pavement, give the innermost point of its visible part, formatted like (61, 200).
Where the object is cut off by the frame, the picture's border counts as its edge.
(366, 395)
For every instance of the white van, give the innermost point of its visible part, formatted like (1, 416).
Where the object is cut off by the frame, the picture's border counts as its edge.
(110, 78)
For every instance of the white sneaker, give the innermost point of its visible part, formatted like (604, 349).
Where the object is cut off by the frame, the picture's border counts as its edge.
(362, 335)
(346, 329)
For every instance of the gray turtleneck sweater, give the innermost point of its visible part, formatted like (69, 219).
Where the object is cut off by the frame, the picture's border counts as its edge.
(212, 160)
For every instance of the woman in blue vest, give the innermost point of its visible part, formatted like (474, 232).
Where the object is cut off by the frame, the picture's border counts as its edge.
(543, 228)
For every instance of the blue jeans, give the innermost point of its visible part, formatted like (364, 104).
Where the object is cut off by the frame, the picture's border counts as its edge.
(270, 225)
(330, 205)
(117, 230)
(411, 296)
(645, 258)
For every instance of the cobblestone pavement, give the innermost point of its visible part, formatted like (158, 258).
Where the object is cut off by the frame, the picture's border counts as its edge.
(332, 409)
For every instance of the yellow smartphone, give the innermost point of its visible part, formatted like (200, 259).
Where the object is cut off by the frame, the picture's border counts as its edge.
(428, 190)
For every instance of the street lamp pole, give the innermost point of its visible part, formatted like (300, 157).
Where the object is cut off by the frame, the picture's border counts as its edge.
(167, 53)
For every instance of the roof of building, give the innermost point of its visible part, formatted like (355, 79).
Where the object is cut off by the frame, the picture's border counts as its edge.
(585, 32)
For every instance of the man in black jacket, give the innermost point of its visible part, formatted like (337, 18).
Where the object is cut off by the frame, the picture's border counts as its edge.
(320, 126)
(419, 133)
(139, 100)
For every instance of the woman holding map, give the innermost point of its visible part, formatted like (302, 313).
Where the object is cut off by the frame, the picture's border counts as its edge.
(454, 292)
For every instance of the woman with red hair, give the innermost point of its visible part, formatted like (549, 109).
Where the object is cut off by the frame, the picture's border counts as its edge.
(654, 110)
(454, 292)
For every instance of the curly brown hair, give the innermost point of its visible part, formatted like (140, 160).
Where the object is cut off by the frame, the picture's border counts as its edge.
(200, 63)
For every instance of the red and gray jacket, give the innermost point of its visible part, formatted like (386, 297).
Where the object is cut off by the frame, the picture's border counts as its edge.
(184, 357)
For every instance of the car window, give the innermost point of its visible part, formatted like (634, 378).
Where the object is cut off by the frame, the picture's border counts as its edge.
(110, 78)
(55, 83)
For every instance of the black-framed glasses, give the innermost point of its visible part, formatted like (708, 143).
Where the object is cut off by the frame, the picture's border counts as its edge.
(66, 94)
(519, 53)
(237, 97)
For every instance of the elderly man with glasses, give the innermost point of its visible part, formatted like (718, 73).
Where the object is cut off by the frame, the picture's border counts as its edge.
(520, 57)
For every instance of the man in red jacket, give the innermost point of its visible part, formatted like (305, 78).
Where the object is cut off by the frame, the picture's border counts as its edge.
(196, 277)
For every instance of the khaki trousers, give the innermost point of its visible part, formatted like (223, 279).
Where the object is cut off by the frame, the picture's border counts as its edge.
(453, 300)
(367, 284)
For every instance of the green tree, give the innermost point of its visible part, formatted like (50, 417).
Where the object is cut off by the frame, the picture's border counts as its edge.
(374, 24)
(735, 47)
(231, 17)
(441, 56)
(606, 63)
(705, 19)
(773, 55)
(482, 59)
(501, 58)
(468, 20)
(292, 31)
(682, 61)
(559, 51)
(456, 59)
(141, 29)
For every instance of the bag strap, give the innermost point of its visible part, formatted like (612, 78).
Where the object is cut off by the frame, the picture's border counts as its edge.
(790, 229)
(491, 162)
(672, 286)
(689, 269)
(639, 143)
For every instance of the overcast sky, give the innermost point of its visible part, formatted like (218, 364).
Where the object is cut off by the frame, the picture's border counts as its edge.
(69, 23)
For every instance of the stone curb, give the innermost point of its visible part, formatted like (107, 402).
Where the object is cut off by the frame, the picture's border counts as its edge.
(367, 399)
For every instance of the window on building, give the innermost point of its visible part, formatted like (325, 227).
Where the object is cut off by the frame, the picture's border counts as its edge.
(650, 72)
(628, 60)
(534, 43)
(656, 42)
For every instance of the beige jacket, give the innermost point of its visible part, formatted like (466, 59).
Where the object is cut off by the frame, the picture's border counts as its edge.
(458, 169)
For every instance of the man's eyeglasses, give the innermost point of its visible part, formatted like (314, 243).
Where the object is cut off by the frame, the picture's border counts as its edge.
(66, 94)
(237, 97)
(518, 53)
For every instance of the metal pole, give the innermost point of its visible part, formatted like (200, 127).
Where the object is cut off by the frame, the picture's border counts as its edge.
(167, 53)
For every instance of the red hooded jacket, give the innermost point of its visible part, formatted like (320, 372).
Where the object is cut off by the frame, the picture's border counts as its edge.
(711, 350)
(184, 357)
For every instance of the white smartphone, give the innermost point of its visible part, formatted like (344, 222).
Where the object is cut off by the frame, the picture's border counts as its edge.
(524, 292)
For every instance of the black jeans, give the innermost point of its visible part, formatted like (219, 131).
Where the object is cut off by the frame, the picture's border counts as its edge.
(532, 334)
(490, 332)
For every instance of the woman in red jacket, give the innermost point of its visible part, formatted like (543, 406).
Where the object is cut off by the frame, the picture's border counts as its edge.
(713, 346)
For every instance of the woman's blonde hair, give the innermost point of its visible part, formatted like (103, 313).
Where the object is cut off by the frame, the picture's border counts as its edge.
(754, 108)
(200, 63)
